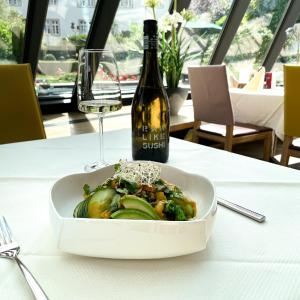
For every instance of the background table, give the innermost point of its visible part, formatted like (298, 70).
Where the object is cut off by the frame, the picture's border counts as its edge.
(264, 108)
(243, 260)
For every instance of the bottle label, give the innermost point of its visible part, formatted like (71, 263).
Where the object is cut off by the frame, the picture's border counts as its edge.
(153, 138)
(150, 42)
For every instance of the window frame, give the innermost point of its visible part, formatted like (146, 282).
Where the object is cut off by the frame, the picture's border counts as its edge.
(17, 3)
(126, 4)
(53, 2)
(52, 25)
(83, 26)
(86, 3)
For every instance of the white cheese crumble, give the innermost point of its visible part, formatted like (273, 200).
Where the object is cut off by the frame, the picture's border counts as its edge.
(141, 172)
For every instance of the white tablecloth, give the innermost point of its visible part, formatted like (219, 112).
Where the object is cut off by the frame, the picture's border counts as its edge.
(243, 260)
(264, 108)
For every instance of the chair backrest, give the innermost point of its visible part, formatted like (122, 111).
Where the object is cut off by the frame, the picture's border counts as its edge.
(210, 94)
(20, 115)
(256, 83)
(292, 100)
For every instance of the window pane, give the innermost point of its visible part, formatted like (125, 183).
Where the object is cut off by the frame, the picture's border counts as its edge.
(126, 39)
(290, 53)
(254, 36)
(66, 27)
(205, 30)
(12, 26)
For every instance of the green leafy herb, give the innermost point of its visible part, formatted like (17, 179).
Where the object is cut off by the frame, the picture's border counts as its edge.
(86, 190)
(117, 167)
(132, 187)
(174, 211)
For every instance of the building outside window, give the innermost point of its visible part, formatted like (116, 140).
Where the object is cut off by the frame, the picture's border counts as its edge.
(15, 2)
(126, 4)
(52, 26)
(86, 3)
(82, 26)
(53, 2)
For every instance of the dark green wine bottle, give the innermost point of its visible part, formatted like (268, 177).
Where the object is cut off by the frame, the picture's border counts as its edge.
(150, 113)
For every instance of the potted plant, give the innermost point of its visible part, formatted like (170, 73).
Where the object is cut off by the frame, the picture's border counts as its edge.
(173, 50)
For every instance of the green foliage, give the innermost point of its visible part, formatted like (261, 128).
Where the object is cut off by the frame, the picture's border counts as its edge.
(17, 43)
(5, 40)
(11, 33)
(252, 32)
(173, 55)
(49, 56)
(66, 77)
(78, 41)
(221, 21)
(173, 49)
(268, 33)
(130, 39)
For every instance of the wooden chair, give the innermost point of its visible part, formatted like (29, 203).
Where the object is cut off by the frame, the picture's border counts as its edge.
(20, 115)
(212, 105)
(291, 144)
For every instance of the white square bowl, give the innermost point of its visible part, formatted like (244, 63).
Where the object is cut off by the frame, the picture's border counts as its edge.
(131, 239)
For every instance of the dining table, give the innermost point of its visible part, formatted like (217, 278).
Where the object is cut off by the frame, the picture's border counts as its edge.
(243, 259)
(263, 107)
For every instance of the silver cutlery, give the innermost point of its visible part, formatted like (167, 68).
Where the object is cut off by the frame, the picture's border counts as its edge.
(241, 210)
(9, 248)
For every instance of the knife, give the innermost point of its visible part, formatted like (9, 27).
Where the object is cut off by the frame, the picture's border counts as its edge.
(241, 210)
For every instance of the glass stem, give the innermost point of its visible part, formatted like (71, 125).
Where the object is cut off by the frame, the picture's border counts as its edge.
(101, 145)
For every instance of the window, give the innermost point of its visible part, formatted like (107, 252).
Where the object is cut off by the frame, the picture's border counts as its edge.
(65, 34)
(52, 27)
(126, 4)
(253, 38)
(12, 27)
(86, 3)
(53, 2)
(126, 39)
(15, 2)
(290, 53)
(204, 31)
(82, 26)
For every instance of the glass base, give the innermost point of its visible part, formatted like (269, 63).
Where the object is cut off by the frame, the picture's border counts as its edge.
(95, 166)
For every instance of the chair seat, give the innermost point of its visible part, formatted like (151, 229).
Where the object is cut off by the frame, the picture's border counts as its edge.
(296, 144)
(239, 129)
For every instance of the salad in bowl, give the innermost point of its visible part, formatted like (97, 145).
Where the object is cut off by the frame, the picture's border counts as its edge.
(133, 210)
(135, 191)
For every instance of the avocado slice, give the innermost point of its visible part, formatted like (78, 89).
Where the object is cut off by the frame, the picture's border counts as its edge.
(129, 213)
(100, 201)
(134, 202)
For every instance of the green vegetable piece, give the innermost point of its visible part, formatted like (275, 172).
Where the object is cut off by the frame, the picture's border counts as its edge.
(129, 213)
(186, 206)
(81, 209)
(174, 211)
(179, 214)
(115, 203)
(100, 201)
(134, 202)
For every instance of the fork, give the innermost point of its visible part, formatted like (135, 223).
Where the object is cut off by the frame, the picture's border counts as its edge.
(9, 248)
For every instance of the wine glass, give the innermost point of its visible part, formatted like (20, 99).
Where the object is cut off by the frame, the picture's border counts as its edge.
(98, 90)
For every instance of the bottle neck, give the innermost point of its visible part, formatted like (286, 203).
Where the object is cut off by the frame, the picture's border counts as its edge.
(150, 72)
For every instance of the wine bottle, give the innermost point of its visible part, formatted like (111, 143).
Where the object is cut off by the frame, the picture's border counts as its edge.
(150, 113)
